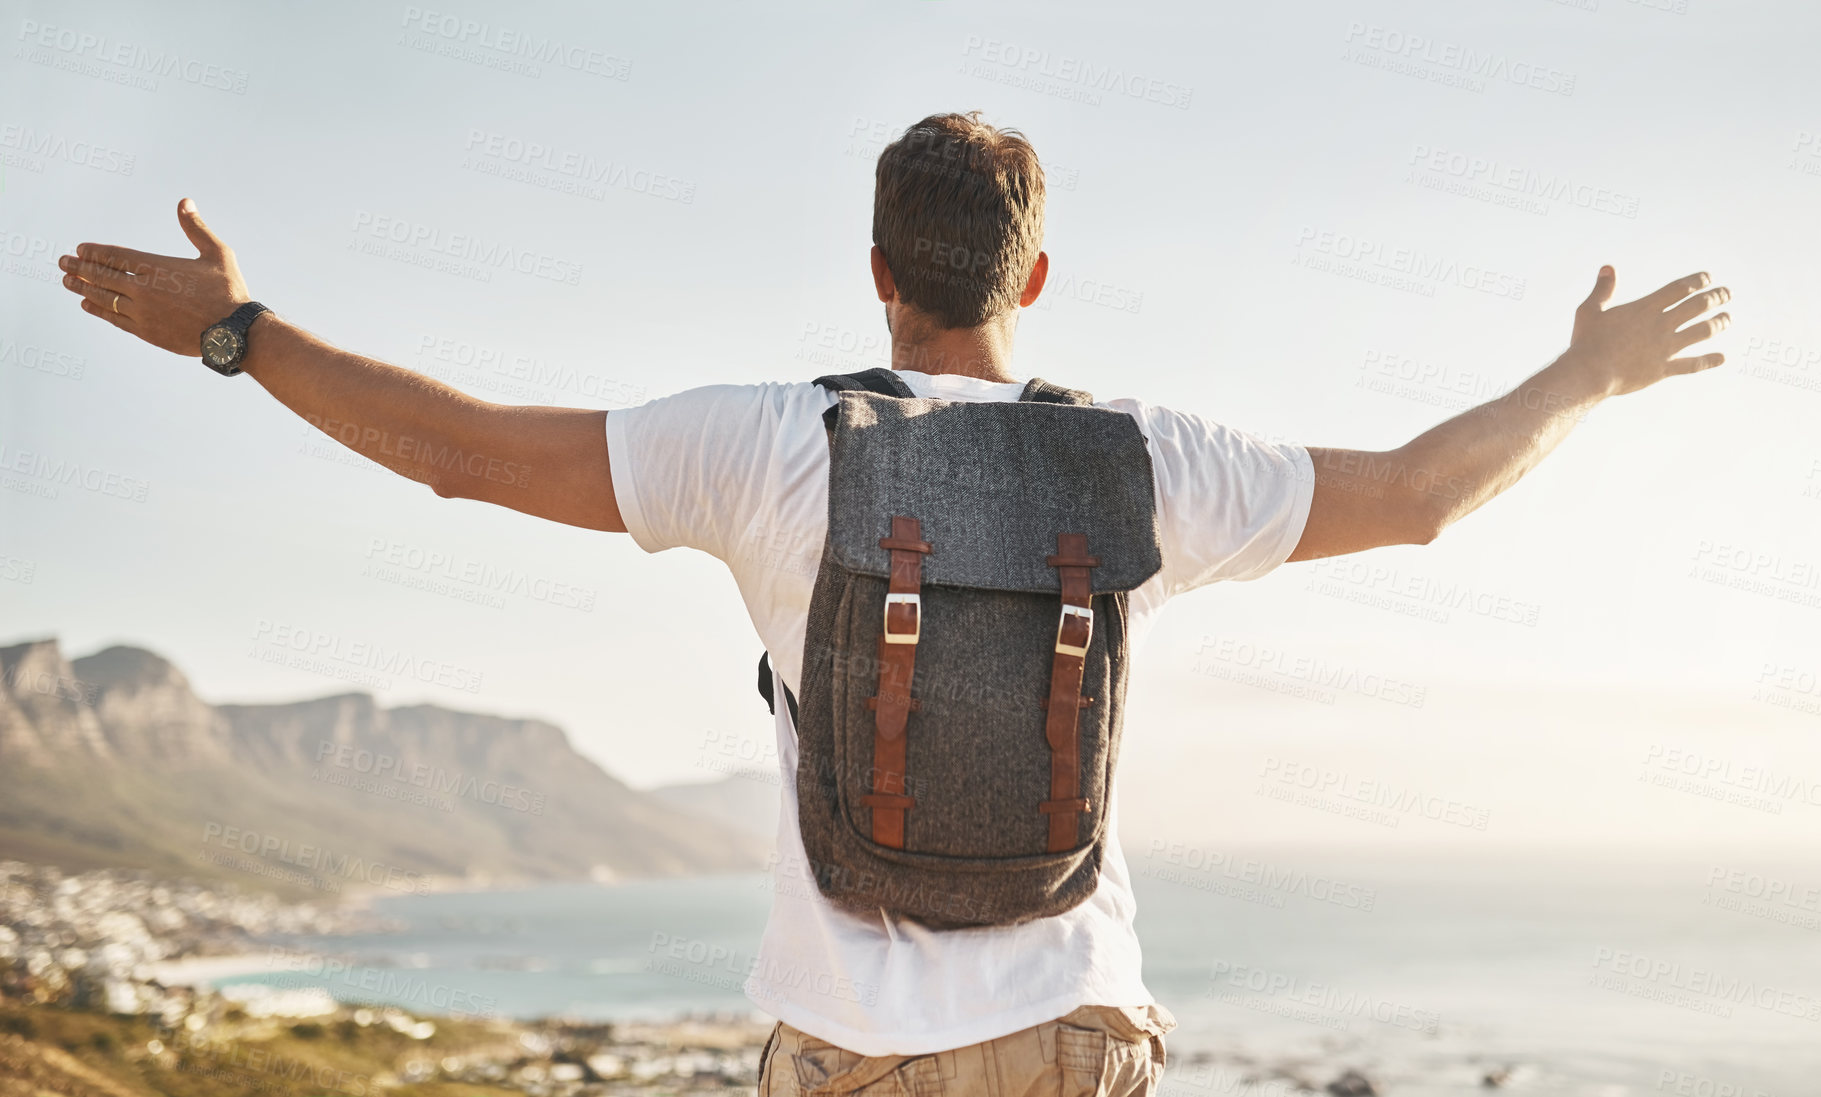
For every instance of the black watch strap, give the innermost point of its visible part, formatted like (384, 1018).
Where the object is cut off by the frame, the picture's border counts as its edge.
(242, 318)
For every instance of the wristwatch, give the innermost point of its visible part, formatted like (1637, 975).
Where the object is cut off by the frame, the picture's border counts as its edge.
(224, 343)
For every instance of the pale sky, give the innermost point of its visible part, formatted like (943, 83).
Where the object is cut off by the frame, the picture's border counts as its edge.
(1200, 231)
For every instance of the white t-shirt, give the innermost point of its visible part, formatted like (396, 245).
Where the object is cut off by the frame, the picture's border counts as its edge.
(741, 473)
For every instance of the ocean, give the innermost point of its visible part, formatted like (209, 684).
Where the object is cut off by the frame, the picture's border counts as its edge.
(1693, 975)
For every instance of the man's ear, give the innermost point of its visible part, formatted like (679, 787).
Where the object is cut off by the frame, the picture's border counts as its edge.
(882, 276)
(1039, 272)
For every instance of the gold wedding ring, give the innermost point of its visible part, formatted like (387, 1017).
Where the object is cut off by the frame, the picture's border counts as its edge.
(116, 302)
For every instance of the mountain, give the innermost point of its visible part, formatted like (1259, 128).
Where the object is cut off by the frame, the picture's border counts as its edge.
(111, 760)
(747, 801)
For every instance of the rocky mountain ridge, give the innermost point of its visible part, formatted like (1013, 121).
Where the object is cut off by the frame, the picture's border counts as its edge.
(111, 760)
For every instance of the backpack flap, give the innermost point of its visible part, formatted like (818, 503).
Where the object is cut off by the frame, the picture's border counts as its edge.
(993, 483)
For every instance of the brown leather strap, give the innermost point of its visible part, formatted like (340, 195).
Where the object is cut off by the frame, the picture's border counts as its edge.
(872, 704)
(892, 705)
(1063, 707)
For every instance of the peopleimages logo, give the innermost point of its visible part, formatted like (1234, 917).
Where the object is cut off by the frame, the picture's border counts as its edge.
(432, 242)
(519, 373)
(434, 778)
(1513, 184)
(1697, 988)
(125, 62)
(23, 146)
(1325, 1001)
(1458, 64)
(1718, 778)
(1206, 870)
(1415, 265)
(506, 48)
(1289, 776)
(311, 858)
(381, 659)
(42, 359)
(440, 572)
(1074, 73)
(44, 474)
(1423, 590)
(568, 170)
(380, 985)
(419, 452)
(1311, 671)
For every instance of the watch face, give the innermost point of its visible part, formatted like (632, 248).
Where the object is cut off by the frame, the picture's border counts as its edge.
(220, 345)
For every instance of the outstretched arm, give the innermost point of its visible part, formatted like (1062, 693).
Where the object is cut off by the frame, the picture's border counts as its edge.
(1409, 495)
(545, 461)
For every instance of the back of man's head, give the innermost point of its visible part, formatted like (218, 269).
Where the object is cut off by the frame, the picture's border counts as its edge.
(958, 213)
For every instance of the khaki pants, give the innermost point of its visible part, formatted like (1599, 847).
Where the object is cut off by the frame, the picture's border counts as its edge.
(1095, 1051)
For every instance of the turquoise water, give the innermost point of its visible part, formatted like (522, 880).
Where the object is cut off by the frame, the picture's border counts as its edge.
(1600, 978)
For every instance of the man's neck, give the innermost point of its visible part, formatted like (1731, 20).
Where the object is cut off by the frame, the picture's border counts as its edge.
(984, 352)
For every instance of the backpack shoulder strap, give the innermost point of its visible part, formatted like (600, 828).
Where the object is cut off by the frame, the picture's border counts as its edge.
(878, 379)
(886, 383)
(765, 689)
(1041, 391)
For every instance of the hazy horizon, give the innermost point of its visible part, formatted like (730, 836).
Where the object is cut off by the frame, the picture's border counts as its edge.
(1440, 800)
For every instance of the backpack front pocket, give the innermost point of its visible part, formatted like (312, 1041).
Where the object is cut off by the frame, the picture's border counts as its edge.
(977, 764)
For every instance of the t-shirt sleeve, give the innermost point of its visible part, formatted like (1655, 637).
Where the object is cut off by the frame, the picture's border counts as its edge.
(1230, 505)
(687, 467)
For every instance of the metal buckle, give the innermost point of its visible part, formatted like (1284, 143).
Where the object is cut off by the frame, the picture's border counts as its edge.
(915, 601)
(1076, 611)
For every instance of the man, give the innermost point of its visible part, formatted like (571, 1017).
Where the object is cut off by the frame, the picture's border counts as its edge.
(872, 1003)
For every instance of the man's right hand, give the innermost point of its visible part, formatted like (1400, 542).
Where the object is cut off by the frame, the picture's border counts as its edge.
(165, 300)
(1634, 345)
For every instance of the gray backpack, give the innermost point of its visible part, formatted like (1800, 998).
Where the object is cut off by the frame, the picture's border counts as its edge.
(965, 664)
